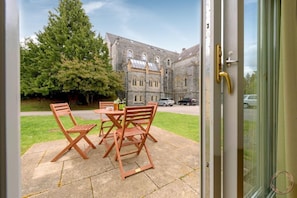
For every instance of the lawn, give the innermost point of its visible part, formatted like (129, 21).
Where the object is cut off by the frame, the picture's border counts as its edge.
(181, 124)
(35, 129)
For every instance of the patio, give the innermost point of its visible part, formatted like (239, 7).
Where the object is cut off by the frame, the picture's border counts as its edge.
(176, 172)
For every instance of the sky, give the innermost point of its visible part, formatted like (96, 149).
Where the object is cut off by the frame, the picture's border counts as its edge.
(168, 24)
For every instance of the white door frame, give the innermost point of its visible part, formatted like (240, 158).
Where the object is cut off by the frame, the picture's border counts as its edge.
(222, 158)
(233, 103)
(210, 109)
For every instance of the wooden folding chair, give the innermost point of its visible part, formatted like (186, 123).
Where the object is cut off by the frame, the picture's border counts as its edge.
(133, 137)
(105, 122)
(63, 110)
(144, 122)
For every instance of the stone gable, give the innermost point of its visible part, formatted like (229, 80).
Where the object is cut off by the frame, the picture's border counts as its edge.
(151, 72)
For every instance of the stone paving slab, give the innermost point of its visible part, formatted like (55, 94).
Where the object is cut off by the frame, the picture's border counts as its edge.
(176, 172)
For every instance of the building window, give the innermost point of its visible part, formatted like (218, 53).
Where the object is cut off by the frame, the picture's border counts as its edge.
(150, 83)
(129, 53)
(157, 59)
(185, 82)
(152, 98)
(141, 83)
(168, 62)
(138, 98)
(144, 56)
(156, 83)
(134, 82)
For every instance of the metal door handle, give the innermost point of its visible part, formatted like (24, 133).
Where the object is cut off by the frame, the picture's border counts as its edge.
(228, 80)
(219, 72)
(229, 61)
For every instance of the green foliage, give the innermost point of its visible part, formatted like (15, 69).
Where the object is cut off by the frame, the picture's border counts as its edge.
(250, 83)
(68, 57)
(88, 78)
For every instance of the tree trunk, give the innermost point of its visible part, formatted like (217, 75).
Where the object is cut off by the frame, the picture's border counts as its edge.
(87, 96)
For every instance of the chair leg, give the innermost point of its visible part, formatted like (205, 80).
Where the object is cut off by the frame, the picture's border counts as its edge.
(153, 138)
(72, 143)
(106, 134)
(89, 142)
(149, 156)
(101, 132)
(118, 158)
(125, 173)
(111, 146)
(128, 173)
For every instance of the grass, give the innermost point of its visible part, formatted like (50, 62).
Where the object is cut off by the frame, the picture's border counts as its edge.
(36, 129)
(181, 124)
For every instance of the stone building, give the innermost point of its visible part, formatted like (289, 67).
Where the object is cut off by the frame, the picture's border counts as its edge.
(151, 72)
(186, 74)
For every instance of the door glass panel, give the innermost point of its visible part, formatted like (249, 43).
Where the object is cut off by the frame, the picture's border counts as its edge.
(251, 137)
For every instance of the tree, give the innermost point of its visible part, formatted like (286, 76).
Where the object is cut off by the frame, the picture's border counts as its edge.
(68, 57)
(76, 76)
(250, 83)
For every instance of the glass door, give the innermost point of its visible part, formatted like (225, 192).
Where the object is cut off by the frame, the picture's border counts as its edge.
(239, 75)
(222, 96)
(238, 107)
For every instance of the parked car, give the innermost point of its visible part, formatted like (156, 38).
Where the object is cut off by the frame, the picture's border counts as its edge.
(250, 100)
(187, 101)
(166, 102)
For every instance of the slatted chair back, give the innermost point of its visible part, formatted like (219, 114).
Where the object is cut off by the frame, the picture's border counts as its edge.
(104, 104)
(155, 104)
(61, 110)
(138, 113)
(133, 135)
(144, 122)
(105, 122)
